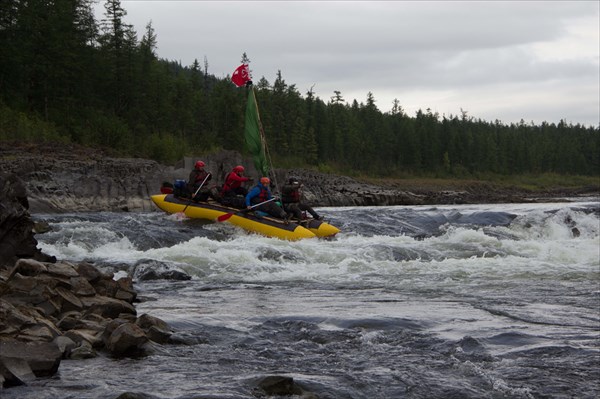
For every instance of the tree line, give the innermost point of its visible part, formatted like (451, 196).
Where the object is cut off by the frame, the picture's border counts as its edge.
(67, 77)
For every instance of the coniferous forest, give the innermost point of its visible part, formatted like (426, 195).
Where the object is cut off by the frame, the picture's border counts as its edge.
(67, 77)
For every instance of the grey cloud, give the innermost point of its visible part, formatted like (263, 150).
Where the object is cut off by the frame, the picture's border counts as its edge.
(392, 49)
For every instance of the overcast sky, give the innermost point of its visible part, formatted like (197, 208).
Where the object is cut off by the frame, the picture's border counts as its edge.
(536, 61)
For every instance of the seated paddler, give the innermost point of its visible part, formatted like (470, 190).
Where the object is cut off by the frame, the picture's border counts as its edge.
(198, 182)
(291, 198)
(260, 194)
(233, 183)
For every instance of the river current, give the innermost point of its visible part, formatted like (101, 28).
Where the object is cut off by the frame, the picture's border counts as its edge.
(463, 301)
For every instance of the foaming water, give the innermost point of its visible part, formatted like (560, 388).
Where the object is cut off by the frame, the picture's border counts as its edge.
(453, 301)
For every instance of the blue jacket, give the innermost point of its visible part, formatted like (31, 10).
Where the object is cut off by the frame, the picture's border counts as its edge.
(256, 191)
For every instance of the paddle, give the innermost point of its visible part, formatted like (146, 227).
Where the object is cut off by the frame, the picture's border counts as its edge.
(226, 216)
(196, 193)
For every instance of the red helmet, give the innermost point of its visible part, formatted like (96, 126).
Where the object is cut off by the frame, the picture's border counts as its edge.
(265, 181)
(238, 169)
(199, 165)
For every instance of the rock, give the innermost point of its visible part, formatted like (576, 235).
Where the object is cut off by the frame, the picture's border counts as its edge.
(81, 287)
(158, 335)
(145, 270)
(126, 338)
(146, 321)
(106, 306)
(156, 329)
(81, 335)
(27, 267)
(279, 386)
(89, 272)
(125, 290)
(62, 269)
(111, 327)
(12, 319)
(135, 395)
(42, 357)
(16, 225)
(15, 371)
(41, 227)
(83, 351)
(65, 345)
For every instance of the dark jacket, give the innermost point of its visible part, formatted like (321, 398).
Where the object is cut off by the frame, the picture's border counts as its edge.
(290, 193)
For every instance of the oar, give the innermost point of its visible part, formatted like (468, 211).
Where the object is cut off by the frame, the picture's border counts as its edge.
(196, 193)
(226, 216)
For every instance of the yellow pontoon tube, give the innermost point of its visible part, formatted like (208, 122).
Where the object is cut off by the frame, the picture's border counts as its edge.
(267, 226)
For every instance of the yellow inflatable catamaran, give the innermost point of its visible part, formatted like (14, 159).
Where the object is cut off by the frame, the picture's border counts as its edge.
(248, 220)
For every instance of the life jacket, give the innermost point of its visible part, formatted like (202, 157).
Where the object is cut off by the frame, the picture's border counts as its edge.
(230, 183)
(290, 194)
(264, 194)
(200, 176)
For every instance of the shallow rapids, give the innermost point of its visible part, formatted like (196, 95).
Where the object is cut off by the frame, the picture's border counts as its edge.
(473, 301)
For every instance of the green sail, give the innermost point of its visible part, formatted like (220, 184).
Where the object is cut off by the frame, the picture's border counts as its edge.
(252, 132)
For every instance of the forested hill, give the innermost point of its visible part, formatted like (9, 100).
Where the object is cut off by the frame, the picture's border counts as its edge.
(65, 76)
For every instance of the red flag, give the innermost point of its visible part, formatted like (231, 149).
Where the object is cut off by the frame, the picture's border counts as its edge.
(241, 75)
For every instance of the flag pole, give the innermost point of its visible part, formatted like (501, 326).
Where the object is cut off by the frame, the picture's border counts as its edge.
(263, 139)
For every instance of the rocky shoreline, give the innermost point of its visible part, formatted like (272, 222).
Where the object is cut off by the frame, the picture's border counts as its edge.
(70, 178)
(52, 310)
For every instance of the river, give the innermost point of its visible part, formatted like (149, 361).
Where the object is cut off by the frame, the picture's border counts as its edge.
(462, 301)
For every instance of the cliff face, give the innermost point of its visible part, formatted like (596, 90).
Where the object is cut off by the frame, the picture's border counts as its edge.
(75, 179)
(69, 178)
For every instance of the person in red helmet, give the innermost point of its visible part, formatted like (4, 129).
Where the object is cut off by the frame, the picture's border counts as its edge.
(199, 179)
(233, 183)
(262, 193)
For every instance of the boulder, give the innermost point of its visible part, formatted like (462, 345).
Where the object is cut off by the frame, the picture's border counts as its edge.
(126, 338)
(65, 345)
(42, 357)
(16, 226)
(15, 371)
(106, 306)
(156, 329)
(276, 385)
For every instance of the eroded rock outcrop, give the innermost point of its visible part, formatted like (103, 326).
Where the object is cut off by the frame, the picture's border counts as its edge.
(50, 310)
(78, 179)
(70, 178)
(16, 226)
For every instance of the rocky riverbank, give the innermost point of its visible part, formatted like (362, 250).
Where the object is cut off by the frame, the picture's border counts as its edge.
(53, 310)
(70, 178)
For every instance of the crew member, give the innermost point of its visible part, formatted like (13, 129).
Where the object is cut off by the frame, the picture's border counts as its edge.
(199, 179)
(291, 200)
(261, 193)
(233, 182)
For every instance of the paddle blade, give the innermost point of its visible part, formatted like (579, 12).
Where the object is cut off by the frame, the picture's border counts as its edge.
(224, 217)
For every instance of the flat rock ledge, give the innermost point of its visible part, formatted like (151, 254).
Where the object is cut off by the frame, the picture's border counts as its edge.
(69, 178)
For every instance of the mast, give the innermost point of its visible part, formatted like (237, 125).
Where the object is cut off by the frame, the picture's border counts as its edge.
(263, 141)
